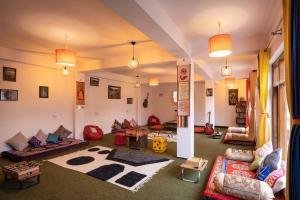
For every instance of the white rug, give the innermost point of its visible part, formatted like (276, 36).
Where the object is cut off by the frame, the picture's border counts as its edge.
(100, 160)
(170, 137)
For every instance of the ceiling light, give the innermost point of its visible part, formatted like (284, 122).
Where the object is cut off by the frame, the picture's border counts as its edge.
(133, 62)
(226, 70)
(65, 71)
(66, 57)
(229, 82)
(153, 82)
(219, 45)
(137, 84)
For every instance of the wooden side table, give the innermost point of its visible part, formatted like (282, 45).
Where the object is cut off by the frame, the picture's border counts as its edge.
(137, 138)
(22, 172)
(195, 164)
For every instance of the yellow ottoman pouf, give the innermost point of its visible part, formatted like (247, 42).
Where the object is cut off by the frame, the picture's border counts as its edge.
(159, 144)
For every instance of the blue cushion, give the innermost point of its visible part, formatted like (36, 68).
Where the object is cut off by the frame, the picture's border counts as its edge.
(34, 142)
(52, 138)
(273, 159)
(263, 172)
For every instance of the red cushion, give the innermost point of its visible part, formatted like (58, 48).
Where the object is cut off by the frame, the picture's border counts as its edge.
(198, 129)
(120, 139)
(157, 127)
(89, 135)
(153, 120)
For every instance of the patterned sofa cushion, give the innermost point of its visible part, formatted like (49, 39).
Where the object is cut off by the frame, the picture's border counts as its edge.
(62, 133)
(239, 155)
(34, 142)
(18, 142)
(242, 187)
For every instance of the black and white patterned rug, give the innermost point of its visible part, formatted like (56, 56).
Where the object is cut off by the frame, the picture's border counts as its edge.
(127, 169)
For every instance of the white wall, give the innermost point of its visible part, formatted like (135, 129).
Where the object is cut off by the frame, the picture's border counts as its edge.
(100, 110)
(31, 113)
(161, 102)
(225, 114)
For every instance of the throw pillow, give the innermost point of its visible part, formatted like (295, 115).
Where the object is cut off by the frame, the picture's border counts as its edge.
(242, 187)
(264, 150)
(41, 136)
(277, 180)
(34, 142)
(18, 142)
(239, 155)
(133, 123)
(263, 172)
(62, 133)
(52, 138)
(116, 125)
(273, 159)
(256, 163)
(126, 124)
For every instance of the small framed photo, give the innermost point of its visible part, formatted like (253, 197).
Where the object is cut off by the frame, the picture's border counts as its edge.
(9, 74)
(114, 92)
(209, 92)
(129, 100)
(8, 95)
(44, 92)
(94, 81)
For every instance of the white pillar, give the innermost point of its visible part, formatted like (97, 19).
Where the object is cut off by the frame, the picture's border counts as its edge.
(185, 136)
(79, 111)
(210, 102)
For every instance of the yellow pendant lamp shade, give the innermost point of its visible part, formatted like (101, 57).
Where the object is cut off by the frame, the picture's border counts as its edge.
(153, 82)
(229, 82)
(65, 57)
(220, 45)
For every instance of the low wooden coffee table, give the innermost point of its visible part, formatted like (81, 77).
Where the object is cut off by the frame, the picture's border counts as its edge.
(195, 164)
(21, 172)
(137, 138)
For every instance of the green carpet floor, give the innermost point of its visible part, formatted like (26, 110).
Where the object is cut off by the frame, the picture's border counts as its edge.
(58, 183)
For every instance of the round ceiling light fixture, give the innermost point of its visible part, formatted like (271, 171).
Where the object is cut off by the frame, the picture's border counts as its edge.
(133, 62)
(219, 45)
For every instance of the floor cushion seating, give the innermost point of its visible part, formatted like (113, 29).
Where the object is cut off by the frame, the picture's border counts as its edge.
(239, 155)
(236, 130)
(30, 153)
(92, 132)
(238, 139)
(157, 127)
(199, 129)
(243, 187)
(223, 165)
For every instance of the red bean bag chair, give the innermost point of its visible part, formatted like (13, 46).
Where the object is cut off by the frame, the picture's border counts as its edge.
(92, 132)
(153, 120)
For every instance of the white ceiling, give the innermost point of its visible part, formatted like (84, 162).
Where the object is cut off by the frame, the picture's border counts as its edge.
(96, 31)
(93, 29)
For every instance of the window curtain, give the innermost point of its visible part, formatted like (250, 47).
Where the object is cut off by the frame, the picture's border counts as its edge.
(248, 102)
(291, 22)
(264, 126)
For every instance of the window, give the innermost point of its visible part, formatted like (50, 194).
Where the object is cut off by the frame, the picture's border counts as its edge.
(280, 113)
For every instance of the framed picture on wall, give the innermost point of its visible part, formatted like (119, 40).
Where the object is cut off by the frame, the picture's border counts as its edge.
(114, 92)
(80, 93)
(44, 92)
(129, 100)
(209, 92)
(94, 81)
(9, 74)
(8, 95)
(233, 95)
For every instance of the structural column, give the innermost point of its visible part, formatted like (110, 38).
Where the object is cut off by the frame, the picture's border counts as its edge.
(185, 136)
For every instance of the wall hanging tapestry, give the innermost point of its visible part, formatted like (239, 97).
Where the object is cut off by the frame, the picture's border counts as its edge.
(80, 93)
(127, 169)
(183, 95)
